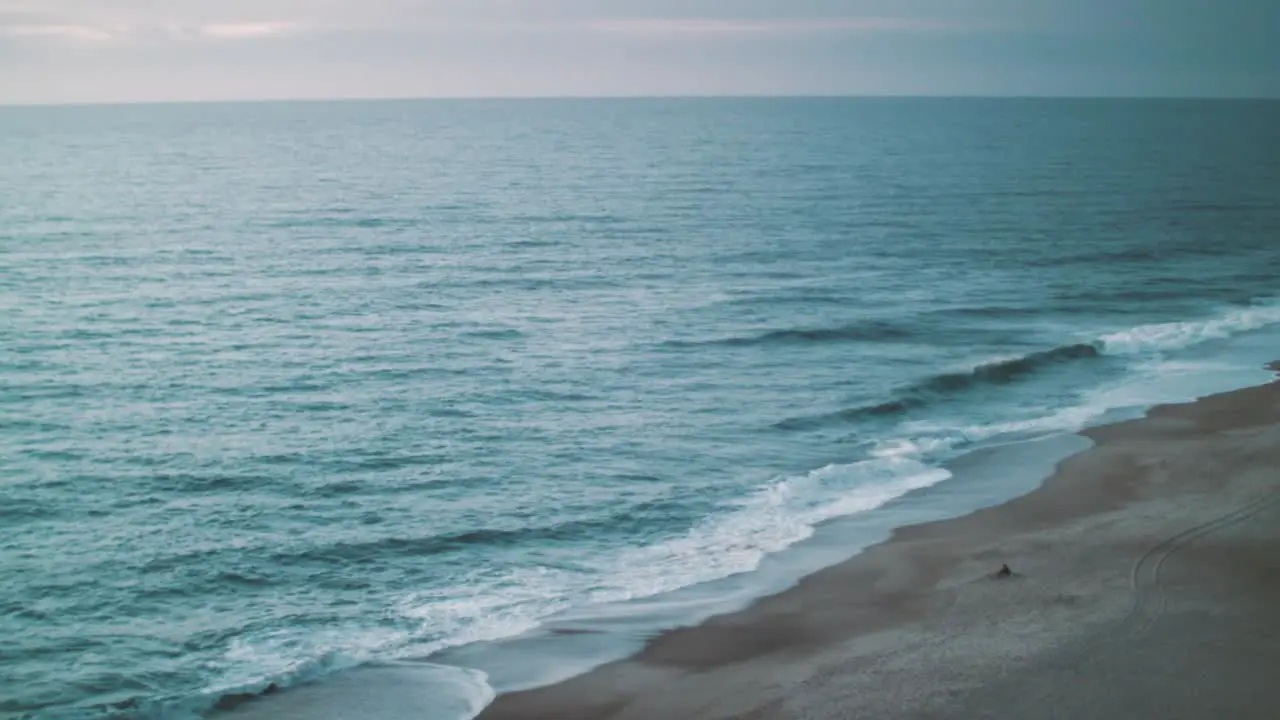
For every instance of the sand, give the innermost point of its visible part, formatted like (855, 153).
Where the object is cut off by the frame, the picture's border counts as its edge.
(1146, 585)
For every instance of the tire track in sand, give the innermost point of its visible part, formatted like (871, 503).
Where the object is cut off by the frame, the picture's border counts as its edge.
(1150, 600)
(1149, 604)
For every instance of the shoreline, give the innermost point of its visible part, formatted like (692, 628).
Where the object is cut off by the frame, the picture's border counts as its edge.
(918, 625)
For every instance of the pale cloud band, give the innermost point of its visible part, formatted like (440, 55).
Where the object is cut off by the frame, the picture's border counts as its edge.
(730, 26)
(82, 33)
(246, 30)
(86, 30)
(35, 26)
(125, 33)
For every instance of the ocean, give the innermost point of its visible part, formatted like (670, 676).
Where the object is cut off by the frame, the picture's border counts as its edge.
(501, 388)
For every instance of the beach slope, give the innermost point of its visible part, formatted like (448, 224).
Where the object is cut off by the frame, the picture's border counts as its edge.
(1146, 582)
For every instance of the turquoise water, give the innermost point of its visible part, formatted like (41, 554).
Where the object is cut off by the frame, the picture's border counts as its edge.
(287, 389)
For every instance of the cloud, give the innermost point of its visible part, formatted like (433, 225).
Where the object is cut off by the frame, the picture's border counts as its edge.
(84, 28)
(234, 20)
(82, 33)
(151, 32)
(246, 30)
(770, 26)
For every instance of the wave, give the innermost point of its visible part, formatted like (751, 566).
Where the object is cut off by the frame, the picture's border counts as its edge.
(1140, 340)
(777, 516)
(868, 331)
(330, 221)
(382, 549)
(1003, 372)
(1163, 337)
(942, 386)
(730, 542)
(20, 509)
(555, 218)
(495, 334)
(455, 693)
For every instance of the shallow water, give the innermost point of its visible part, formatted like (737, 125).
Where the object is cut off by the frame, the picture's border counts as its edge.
(290, 388)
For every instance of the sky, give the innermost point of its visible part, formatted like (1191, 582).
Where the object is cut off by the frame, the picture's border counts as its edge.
(77, 51)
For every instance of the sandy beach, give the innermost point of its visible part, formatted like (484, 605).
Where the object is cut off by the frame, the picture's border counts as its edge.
(1146, 577)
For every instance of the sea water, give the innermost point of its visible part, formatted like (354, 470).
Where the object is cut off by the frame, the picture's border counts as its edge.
(289, 391)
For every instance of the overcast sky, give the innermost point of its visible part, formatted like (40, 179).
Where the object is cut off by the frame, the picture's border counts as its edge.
(139, 50)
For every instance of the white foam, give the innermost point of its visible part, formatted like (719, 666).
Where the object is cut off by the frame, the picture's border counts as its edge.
(1153, 377)
(775, 517)
(1159, 337)
(475, 689)
(293, 655)
(769, 520)
(772, 519)
(481, 608)
(913, 446)
(944, 441)
(389, 691)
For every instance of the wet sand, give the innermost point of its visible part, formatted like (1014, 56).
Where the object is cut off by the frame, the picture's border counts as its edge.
(1146, 585)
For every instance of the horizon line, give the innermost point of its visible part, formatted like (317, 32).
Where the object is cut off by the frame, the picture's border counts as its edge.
(678, 96)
